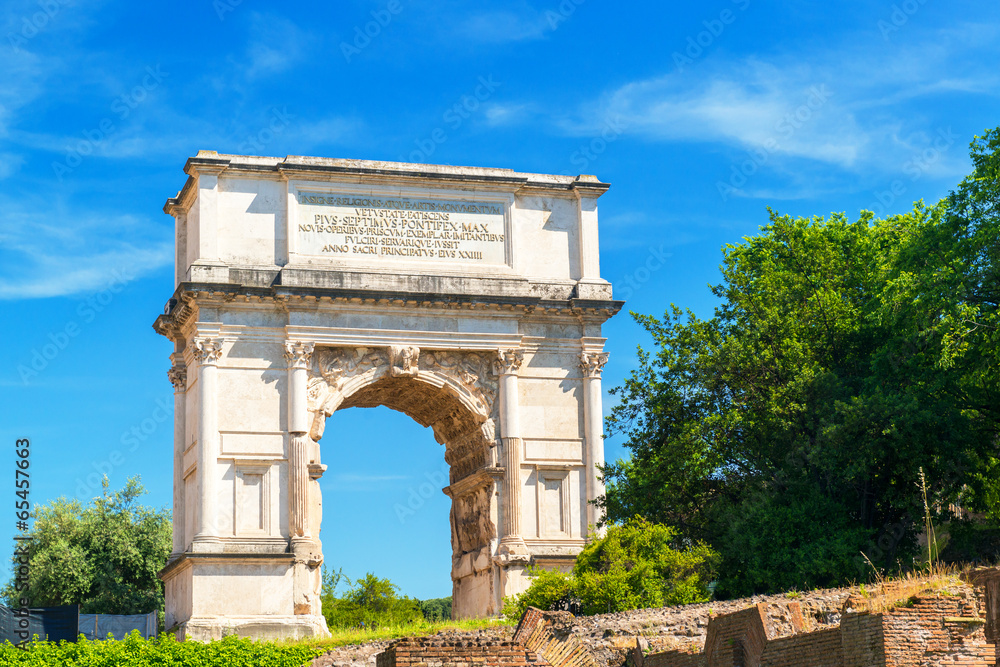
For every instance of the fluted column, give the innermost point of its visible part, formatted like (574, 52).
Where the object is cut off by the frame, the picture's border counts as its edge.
(506, 366)
(592, 365)
(178, 378)
(298, 355)
(206, 352)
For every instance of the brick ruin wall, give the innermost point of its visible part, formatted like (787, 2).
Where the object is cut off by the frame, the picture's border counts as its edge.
(956, 626)
(433, 652)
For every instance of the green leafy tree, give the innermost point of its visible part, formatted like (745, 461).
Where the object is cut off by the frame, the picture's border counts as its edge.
(104, 556)
(547, 588)
(369, 602)
(438, 609)
(640, 565)
(635, 565)
(788, 430)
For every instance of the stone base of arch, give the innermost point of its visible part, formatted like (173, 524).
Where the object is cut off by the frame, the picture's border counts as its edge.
(270, 628)
(211, 595)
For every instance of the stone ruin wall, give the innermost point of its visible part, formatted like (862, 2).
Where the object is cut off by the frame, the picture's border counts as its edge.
(957, 625)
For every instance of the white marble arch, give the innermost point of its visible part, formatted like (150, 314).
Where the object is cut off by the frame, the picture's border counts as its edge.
(469, 299)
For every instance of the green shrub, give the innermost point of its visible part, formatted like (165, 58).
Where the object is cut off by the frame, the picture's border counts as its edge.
(371, 602)
(636, 565)
(438, 609)
(135, 651)
(547, 588)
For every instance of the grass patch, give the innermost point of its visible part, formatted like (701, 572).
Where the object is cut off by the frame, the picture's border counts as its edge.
(350, 636)
(901, 591)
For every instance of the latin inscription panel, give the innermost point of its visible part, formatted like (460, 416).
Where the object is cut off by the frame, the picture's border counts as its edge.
(376, 227)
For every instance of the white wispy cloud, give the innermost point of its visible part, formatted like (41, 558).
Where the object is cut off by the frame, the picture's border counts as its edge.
(831, 108)
(507, 114)
(9, 164)
(275, 45)
(754, 104)
(47, 257)
(503, 26)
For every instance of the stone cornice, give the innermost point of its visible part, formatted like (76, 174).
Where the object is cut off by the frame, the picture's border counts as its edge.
(476, 480)
(223, 558)
(183, 305)
(297, 166)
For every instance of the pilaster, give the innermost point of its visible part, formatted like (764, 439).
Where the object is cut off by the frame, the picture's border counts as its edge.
(304, 545)
(298, 355)
(206, 353)
(178, 378)
(512, 548)
(592, 366)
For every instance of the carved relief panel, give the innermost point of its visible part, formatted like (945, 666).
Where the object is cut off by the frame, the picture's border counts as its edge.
(339, 371)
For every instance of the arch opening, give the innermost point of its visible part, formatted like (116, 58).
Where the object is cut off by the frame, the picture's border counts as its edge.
(385, 512)
(454, 394)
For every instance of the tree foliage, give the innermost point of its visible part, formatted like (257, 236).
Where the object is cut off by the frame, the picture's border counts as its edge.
(787, 430)
(438, 609)
(548, 588)
(634, 566)
(369, 602)
(104, 556)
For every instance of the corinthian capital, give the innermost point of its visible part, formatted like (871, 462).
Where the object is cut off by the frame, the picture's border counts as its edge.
(298, 354)
(592, 364)
(508, 361)
(178, 377)
(207, 351)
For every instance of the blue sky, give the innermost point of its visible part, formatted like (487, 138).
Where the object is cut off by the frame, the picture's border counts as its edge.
(700, 115)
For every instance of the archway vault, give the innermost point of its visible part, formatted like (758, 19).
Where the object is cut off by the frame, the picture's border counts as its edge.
(454, 393)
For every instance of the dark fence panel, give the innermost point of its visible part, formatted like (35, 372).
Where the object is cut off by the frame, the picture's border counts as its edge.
(52, 623)
(99, 626)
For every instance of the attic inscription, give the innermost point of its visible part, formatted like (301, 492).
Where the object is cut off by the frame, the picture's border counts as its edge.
(462, 232)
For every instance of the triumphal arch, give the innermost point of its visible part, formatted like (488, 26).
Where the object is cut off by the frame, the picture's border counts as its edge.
(469, 299)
